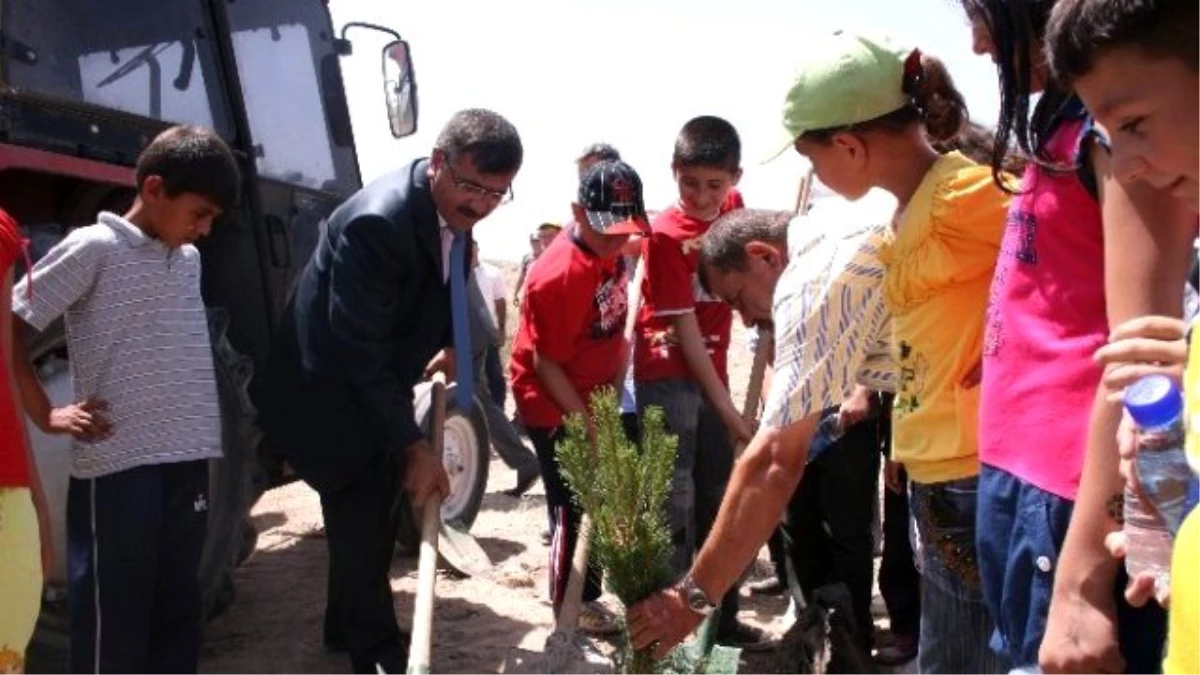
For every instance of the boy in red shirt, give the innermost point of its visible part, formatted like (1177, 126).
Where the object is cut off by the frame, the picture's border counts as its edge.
(681, 344)
(570, 342)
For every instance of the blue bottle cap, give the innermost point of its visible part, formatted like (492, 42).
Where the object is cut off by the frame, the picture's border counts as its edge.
(1154, 401)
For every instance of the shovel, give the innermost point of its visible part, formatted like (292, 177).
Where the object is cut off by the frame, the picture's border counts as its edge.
(560, 654)
(431, 523)
(766, 345)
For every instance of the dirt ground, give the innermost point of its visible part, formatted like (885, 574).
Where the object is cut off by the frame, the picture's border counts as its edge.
(275, 623)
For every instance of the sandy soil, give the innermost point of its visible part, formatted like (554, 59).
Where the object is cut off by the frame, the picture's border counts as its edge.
(275, 623)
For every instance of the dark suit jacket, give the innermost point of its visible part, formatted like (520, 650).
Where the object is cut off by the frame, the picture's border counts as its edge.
(368, 313)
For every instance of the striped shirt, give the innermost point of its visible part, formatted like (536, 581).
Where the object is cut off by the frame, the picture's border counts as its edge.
(832, 329)
(138, 339)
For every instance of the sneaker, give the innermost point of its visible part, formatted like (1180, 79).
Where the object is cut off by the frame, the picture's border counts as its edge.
(596, 619)
(902, 650)
(745, 637)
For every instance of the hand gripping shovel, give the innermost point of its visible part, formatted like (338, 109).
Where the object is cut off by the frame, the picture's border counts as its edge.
(431, 521)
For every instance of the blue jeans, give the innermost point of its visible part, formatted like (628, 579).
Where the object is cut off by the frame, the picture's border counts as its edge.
(1020, 532)
(955, 623)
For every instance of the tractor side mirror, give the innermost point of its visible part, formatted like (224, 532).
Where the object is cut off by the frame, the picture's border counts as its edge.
(400, 88)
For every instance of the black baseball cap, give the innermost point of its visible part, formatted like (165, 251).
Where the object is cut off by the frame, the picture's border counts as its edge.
(611, 195)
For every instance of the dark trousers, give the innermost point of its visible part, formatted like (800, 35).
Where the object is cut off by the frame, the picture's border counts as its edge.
(899, 581)
(134, 540)
(778, 549)
(360, 533)
(564, 519)
(497, 385)
(829, 521)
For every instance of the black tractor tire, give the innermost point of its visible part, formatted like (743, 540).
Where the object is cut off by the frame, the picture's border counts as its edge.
(231, 537)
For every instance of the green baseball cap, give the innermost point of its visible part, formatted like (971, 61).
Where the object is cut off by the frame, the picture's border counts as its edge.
(845, 79)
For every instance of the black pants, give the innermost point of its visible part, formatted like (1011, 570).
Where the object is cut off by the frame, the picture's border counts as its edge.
(134, 540)
(899, 581)
(360, 533)
(829, 521)
(564, 519)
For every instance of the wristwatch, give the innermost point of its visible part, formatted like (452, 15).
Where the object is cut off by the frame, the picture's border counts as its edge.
(695, 596)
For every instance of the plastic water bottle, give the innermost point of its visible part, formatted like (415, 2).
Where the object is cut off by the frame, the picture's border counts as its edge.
(1155, 404)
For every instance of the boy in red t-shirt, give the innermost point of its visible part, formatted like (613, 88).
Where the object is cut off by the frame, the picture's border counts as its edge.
(570, 342)
(681, 343)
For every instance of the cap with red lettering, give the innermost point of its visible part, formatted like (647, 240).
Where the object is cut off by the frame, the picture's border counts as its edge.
(611, 195)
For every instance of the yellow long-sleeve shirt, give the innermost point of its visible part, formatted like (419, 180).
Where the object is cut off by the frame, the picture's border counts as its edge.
(938, 272)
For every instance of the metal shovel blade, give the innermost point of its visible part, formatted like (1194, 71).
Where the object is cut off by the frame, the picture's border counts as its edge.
(460, 552)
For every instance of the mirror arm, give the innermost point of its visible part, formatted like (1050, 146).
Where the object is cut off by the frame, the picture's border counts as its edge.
(343, 47)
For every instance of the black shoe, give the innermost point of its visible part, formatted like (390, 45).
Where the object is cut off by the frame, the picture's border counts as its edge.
(744, 637)
(770, 586)
(524, 482)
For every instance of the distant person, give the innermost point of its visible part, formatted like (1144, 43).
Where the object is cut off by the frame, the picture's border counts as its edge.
(570, 343)
(381, 305)
(490, 281)
(538, 241)
(593, 154)
(485, 336)
(145, 418)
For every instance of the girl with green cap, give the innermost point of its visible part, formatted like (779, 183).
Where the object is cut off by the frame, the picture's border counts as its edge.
(864, 111)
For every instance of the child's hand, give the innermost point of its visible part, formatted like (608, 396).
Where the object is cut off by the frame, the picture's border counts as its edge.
(81, 420)
(739, 430)
(1143, 346)
(1141, 589)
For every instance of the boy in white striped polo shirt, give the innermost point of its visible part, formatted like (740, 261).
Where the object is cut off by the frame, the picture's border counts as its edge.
(146, 419)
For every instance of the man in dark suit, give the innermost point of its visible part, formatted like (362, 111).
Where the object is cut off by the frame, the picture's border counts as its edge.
(369, 318)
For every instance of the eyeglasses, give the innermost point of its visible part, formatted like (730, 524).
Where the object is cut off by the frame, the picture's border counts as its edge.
(475, 189)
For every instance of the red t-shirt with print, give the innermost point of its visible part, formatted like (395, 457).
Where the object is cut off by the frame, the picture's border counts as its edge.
(573, 314)
(672, 287)
(14, 467)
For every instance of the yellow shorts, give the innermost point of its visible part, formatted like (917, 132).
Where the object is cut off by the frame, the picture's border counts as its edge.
(20, 576)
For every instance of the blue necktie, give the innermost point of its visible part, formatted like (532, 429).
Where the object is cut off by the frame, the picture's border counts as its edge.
(465, 392)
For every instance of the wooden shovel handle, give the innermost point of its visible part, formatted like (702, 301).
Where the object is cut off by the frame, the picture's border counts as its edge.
(568, 615)
(766, 344)
(431, 522)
